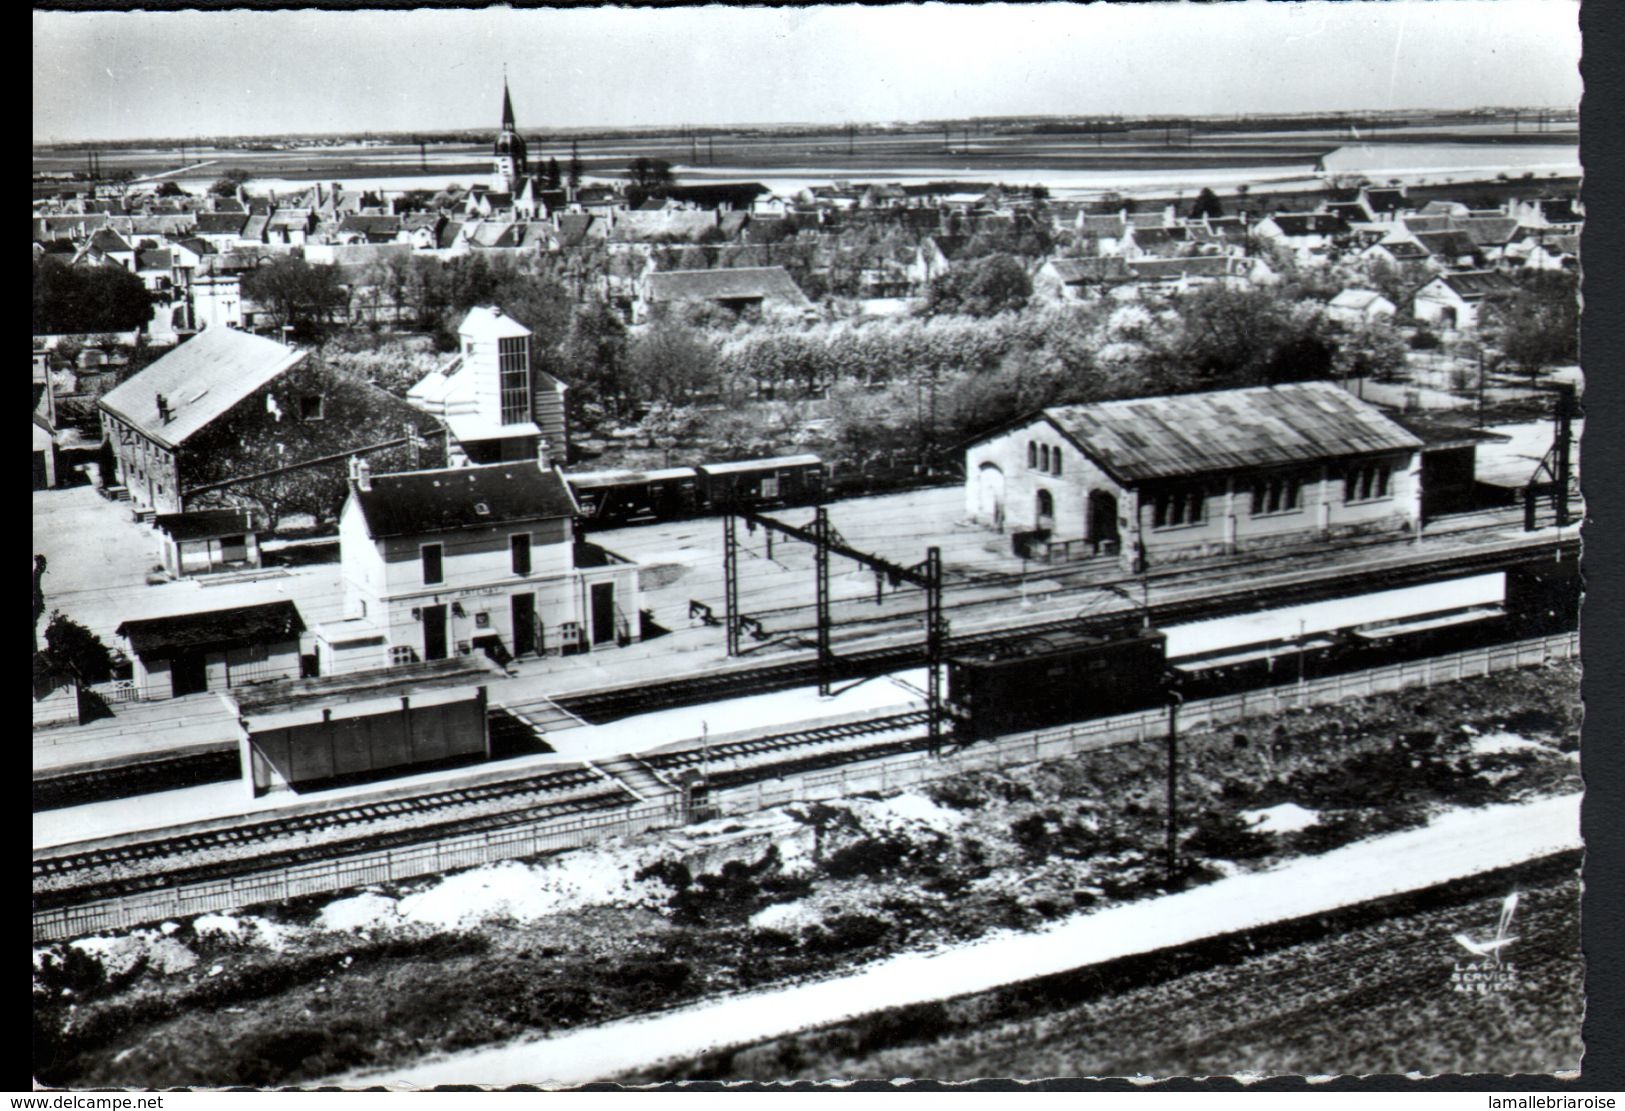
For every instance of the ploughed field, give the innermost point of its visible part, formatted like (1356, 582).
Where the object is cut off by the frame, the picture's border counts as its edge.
(1365, 990)
(394, 973)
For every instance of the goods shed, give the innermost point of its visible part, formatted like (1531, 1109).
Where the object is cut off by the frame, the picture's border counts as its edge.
(310, 733)
(1156, 478)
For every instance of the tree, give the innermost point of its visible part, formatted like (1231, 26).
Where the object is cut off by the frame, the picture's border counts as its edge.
(575, 165)
(229, 182)
(649, 174)
(552, 176)
(595, 355)
(82, 299)
(1539, 324)
(296, 293)
(1206, 204)
(669, 363)
(1374, 349)
(74, 653)
(983, 287)
(170, 189)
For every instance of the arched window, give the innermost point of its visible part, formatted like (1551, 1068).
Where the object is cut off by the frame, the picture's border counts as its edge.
(1046, 508)
(1055, 461)
(1032, 454)
(1043, 457)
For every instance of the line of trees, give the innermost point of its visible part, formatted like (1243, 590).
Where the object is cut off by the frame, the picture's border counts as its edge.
(80, 299)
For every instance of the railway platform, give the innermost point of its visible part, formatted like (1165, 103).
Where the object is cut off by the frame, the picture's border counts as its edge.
(719, 722)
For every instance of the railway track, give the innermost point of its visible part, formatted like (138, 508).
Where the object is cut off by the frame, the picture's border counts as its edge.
(602, 706)
(159, 860)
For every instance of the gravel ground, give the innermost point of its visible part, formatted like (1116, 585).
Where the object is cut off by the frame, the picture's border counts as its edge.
(844, 885)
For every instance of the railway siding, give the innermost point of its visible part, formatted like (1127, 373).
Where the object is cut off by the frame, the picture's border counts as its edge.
(526, 839)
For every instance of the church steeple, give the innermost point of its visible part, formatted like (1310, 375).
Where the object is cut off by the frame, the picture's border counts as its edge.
(509, 163)
(507, 106)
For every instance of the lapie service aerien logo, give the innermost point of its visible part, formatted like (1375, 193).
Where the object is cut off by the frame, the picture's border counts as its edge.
(1490, 970)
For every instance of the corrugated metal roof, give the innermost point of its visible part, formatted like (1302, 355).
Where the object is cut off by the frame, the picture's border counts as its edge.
(1227, 430)
(201, 380)
(419, 502)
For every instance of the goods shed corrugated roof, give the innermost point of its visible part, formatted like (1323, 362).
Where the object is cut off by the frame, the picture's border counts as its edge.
(270, 623)
(1227, 430)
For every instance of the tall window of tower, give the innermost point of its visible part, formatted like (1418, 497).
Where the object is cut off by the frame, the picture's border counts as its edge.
(513, 359)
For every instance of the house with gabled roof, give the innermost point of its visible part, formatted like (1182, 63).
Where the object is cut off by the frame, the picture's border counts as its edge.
(1161, 478)
(737, 289)
(1450, 250)
(1079, 279)
(1359, 306)
(1461, 299)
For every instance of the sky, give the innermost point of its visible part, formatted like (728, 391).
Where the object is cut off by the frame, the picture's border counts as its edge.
(109, 75)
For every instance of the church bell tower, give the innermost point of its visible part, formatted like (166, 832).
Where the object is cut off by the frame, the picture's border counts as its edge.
(509, 163)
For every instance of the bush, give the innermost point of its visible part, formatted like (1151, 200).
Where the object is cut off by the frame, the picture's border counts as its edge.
(845, 933)
(866, 858)
(1424, 339)
(1224, 835)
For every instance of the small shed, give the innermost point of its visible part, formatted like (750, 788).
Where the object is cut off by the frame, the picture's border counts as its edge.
(208, 540)
(317, 733)
(218, 649)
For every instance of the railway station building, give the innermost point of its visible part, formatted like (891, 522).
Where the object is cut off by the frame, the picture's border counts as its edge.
(1154, 479)
(450, 562)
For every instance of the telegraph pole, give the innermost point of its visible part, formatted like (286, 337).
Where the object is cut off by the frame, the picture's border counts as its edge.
(935, 642)
(1175, 700)
(730, 574)
(826, 660)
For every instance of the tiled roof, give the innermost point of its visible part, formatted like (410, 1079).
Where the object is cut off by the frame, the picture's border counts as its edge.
(255, 228)
(1428, 223)
(370, 225)
(1078, 270)
(1384, 200)
(1310, 223)
(221, 223)
(1196, 266)
(419, 502)
(1228, 430)
(201, 379)
(1404, 250)
(767, 282)
(1489, 231)
(450, 232)
(1447, 244)
(106, 240)
(270, 623)
(1355, 299)
(153, 260)
(1475, 285)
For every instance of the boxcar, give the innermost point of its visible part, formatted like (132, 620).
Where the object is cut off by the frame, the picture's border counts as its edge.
(1054, 679)
(786, 480)
(617, 497)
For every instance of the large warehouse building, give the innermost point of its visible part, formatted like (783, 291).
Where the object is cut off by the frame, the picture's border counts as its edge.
(1156, 478)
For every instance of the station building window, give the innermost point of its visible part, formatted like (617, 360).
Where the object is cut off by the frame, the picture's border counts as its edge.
(1366, 483)
(433, 568)
(1173, 508)
(1032, 455)
(1277, 494)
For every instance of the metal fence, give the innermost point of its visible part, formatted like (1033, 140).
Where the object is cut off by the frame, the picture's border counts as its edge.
(545, 836)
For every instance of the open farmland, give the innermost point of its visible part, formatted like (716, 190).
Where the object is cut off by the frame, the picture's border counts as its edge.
(1364, 991)
(973, 154)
